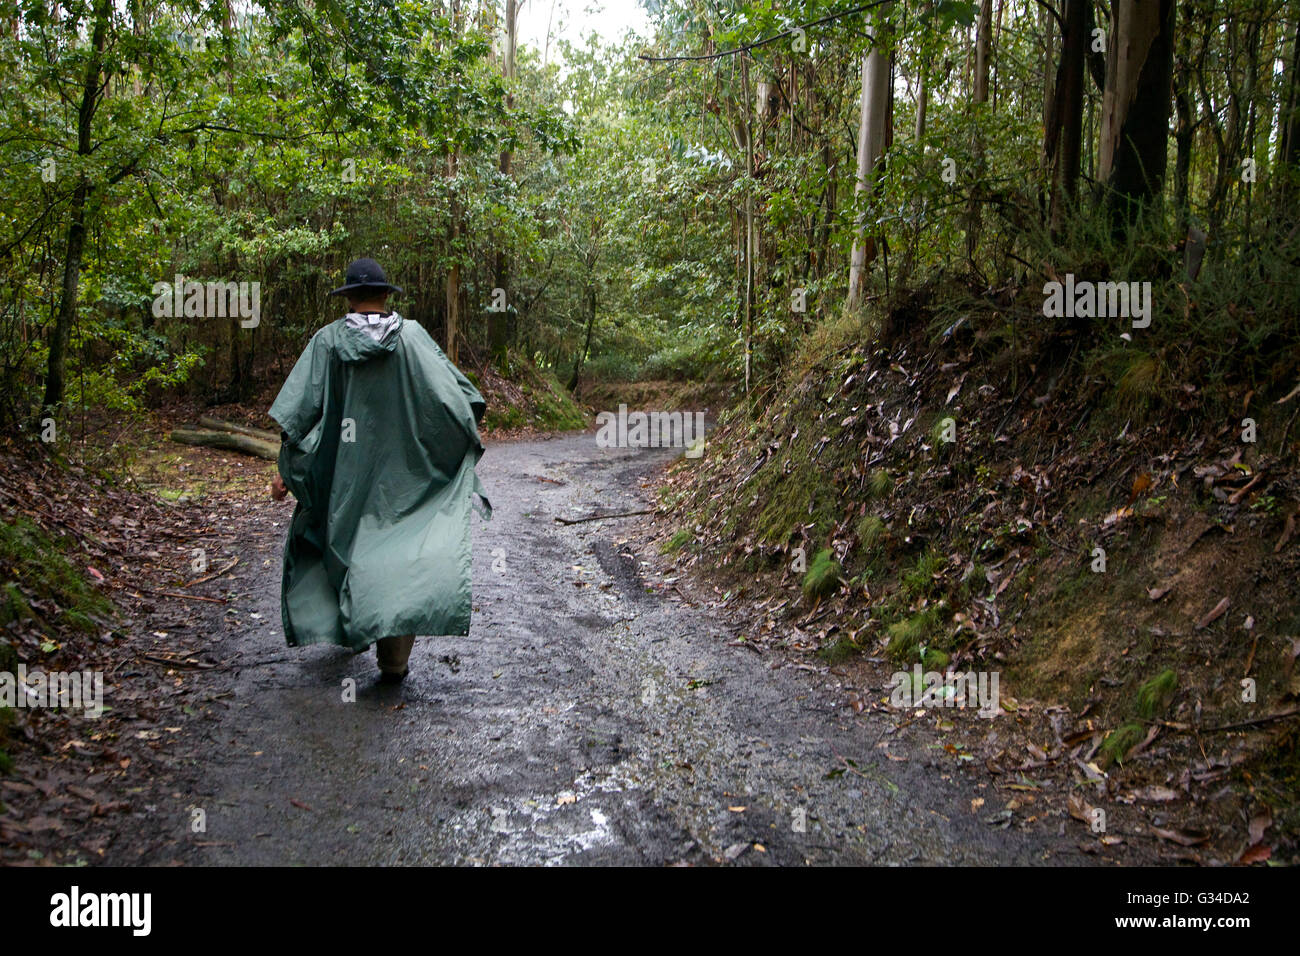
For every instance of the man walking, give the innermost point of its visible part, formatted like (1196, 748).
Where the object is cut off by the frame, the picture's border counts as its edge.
(379, 443)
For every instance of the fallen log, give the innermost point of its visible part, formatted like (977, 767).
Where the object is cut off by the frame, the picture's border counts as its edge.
(216, 424)
(227, 440)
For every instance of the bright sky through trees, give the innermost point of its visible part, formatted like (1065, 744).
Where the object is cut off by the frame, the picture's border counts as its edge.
(574, 19)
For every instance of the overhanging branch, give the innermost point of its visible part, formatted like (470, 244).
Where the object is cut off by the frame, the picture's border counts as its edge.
(766, 40)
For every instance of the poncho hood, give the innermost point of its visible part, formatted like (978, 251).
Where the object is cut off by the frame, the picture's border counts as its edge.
(367, 336)
(380, 440)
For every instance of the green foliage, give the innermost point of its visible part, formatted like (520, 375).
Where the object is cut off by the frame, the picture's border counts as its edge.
(823, 575)
(1154, 695)
(934, 659)
(680, 539)
(907, 634)
(1120, 741)
(838, 651)
(879, 483)
(870, 530)
(545, 404)
(921, 578)
(30, 557)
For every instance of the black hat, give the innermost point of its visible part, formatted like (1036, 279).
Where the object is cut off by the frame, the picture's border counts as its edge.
(365, 274)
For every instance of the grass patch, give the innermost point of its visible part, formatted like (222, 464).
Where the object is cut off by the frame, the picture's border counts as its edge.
(30, 556)
(879, 483)
(1120, 741)
(681, 539)
(907, 635)
(871, 532)
(838, 652)
(921, 579)
(943, 434)
(1154, 695)
(823, 575)
(934, 659)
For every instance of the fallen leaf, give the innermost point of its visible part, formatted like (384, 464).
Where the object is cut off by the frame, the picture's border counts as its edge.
(734, 851)
(1256, 854)
(1182, 837)
(1080, 809)
(1219, 610)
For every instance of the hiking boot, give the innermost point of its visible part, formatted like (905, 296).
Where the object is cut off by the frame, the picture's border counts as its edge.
(392, 654)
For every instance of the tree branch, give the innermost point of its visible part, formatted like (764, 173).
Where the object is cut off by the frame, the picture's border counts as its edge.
(766, 40)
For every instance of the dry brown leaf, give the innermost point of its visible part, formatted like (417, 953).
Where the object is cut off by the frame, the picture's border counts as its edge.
(1182, 837)
(1219, 610)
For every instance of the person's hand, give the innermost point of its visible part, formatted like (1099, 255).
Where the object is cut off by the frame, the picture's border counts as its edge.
(278, 489)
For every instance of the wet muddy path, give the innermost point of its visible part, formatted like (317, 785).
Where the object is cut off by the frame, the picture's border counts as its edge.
(595, 714)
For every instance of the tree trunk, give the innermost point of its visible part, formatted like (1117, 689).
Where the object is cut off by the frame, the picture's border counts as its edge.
(453, 274)
(56, 368)
(1289, 127)
(227, 440)
(586, 346)
(983, 48)
(1185, 124)
(498, 321)
(922, 101)
(1063, 139)
(871, 147)
(749, 223)
(216, 424)
(980, 94)
(1135, 107)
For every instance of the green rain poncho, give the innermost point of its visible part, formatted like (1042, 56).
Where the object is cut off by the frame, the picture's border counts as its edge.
(379, 447)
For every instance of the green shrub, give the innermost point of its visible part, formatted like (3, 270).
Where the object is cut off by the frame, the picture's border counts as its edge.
(823, 575)
(907, 635)
(1120, 741)
(1154, 695)
(871, 531)
(39, 563)
(678, 541)
(920, 580)
(879, 483)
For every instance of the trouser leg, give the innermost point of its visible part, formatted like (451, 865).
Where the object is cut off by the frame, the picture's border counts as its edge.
(393, 653)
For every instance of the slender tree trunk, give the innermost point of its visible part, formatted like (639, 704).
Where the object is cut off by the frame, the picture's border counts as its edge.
(983, 49)
(980, 94)
(1063, 141)
(922, 101)
(75, 244)
(453, 274)
(498, 321)
(871, 147)
(1185, 124)
(586, 345)
(749, 223)
(1289, 127)
(1047, 24)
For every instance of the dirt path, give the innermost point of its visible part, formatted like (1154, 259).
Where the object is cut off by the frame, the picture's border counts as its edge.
(593, 715)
